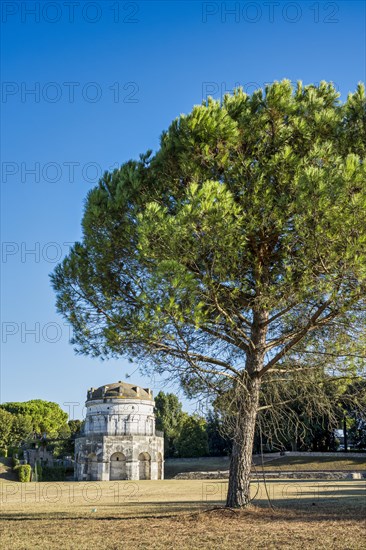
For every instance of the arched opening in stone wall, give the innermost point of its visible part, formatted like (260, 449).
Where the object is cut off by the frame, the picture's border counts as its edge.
(92, 467)
(160, 466)
(118, 467)
(144, 466)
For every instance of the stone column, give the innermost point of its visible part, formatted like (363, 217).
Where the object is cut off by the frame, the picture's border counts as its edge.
(154, 470)
(105, 470)
(134, 470)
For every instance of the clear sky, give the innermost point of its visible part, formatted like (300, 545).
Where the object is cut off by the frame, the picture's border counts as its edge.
(89, 85)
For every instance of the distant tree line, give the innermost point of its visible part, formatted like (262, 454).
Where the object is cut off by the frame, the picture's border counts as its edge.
(299, 424)
(26, 423)
(313, 407)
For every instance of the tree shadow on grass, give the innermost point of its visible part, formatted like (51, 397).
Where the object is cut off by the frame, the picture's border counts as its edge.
(289, 511)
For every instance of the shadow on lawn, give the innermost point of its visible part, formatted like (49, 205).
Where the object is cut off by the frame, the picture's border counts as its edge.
(6, 471)
(308, 509)
(254, 513)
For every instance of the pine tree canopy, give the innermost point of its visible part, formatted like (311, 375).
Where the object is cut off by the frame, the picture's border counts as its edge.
(250, 218)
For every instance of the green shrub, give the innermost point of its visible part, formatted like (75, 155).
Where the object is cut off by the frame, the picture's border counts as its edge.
(3, 451)
(24, 472)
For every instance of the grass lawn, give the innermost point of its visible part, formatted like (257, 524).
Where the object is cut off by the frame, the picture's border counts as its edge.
(287, 463)
(310, 463)
(172, 513)
(175, 466)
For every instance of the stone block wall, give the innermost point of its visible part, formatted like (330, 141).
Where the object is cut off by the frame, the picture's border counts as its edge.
(93, 455)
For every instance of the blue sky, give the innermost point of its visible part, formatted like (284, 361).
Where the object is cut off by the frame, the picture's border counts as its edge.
(107, 79)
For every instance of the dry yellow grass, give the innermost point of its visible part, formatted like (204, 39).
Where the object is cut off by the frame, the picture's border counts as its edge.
(172, 513)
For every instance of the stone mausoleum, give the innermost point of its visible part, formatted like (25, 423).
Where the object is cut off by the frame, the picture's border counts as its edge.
(119, 440)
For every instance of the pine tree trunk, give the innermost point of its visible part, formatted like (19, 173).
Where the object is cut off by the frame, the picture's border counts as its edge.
(247, 408)
(241, 458)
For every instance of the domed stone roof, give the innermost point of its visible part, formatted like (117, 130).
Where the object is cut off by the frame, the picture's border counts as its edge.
(120, 390)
